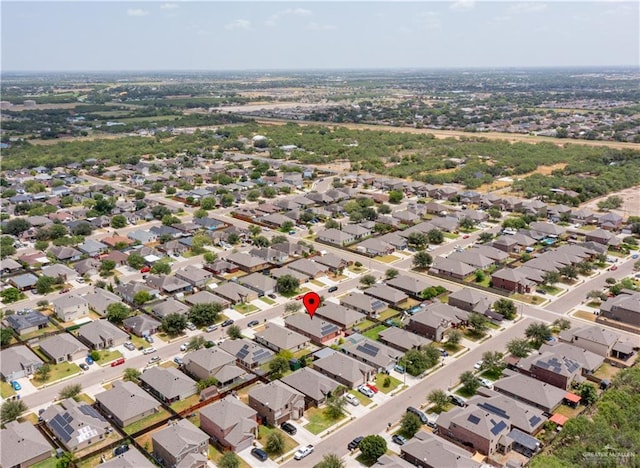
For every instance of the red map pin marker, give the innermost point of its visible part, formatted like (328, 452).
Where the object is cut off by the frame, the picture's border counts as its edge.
(311, 302)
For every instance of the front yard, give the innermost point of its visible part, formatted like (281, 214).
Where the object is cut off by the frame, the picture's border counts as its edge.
(215, 455)
(364, 400)
(58, 371)
(147, 421)
(583, 314)
(245, 308)
(6, 390)
(267, 300)
(393, 383)
(107, 355)
(263, 435)
(529, 299)
(387, 258)
(318, 420)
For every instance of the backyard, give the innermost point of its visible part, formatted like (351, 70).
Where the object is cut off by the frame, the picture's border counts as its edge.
(374, 332)
(179, 406)
(147, 421)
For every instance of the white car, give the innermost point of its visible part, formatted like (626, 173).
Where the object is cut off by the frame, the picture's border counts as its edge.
(486, 383)
(366, 391)
(352, 399)
(303, 452)
(478, 365)
(183, 347)
(149, 350)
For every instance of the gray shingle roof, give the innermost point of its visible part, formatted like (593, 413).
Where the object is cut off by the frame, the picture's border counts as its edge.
(21, 442)
(126, 400)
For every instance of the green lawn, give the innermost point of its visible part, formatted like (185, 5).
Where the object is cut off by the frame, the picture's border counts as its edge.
(449, 235)
(267, 300)
(182, 405)
(583, 314)
(354, 269)
(245, 308)
(470, 335)
(374, 332)
(84, 398)
(606, 371)
(463, 393)
(263, 434)
(215, 455)
(491, 375)
(365, 324)
(50, 462)
(106, 356)
(318, 421)
(6, 390)
(387, 258)
(137, 342)
(364, 400)
(493, 325)
(452, 348)
(317, 283)
(388, 313)
(147, 421)
(394, 383)
(529, 299)
(59, 371)
(550, 289)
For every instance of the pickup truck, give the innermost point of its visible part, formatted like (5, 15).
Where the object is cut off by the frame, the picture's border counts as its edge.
(303, 452)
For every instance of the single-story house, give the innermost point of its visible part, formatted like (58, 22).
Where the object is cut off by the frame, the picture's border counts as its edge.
(75, 425)
(385, 293)
(261, 284)
(17, 362)
(27, 323)
(319, 331)
(377, 355)
(362, 303)
(247, 353)
(235, 293)
(168, 384)
(340, 315)
(344, 369)
(205, 297)
(197, 277)
(101, 334)
(279, 338)
(141, 325)
(126, 403)
(22, 445)
(401, 339)
(63, 347)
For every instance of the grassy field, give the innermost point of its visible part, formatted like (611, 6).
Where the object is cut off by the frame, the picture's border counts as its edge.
(182, 405)
(106, 356)
(374, 332)
(393, 383)
(318, 420)
(387, 258)
(267, 300)
(6, 390)
(245, 308)
(263, 434)
(147, 421)
(58, 371)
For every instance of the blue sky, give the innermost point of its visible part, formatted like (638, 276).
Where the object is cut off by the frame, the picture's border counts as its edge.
(212, 35)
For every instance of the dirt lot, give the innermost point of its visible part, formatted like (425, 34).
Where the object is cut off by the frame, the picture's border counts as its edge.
(630, 207)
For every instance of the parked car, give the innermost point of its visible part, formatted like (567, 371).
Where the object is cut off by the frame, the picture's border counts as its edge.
(366, 391)
(183, 347)
(15, 385)
(65, 290)
(227, 322)
(178, 360)
(613, 268)
(355, 443)
(259, 454)
(398, 368)
(117, 362)
(443, 353)
(253, 323)
(83, 366)
(303, 452)
(130, 346)
(478, 365)
(211, 328)
(299, 298)
(486, 383)
(288, 428)
(466, 236)
(417, 412)
(154, 359)
(332, 289)
(272, 296)
(145, 269)
(191, 326)
(635, 256)
(352, 399)
(148, 338)
(120, 450)
(458, 400)
(149, 350)
(398, 439)
(373, 388)
(89, 360)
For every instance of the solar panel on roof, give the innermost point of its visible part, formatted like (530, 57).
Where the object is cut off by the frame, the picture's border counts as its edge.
(367, 351)
(327, 328)
(473, 419)
(61, 427)
(89, 411)
(242, 353)
(534, 420)
(498, 428)
(494, 409)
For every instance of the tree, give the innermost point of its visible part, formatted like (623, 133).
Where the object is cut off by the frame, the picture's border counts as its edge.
(287, 284)
(227, 200)
(368, 280)
(588, 393)
(470, 382)
(538, 333)
(418, 240)
(260, 241)
(480, 276)
(519, 347)
(206, 383)
(550, 277)
(410, 424)
(10, 295)
(42, 373)
(435, 236)
(417, 361)
(16, 226)
(234, 332)
(83, 229)
(373, 447)
(395, 196)
(161, 268)
(228, 460)
(506, 308)
(391, 273)
(466, 223)
(562, 324)
(173, 324)
(292, 307)
(210, 257)
(485, 237)
(117, 312)
(67, 460)
(170, 220)
(131, 375)
(422, 260)
(253, 195)
(207, 203)
(135, 261)
(568, 271)
(492, 361)
(384, 209)
(196, 343)
(11, 409)
(330, 460)
(454, 336)
(478, 323)
(268, 192)
(286, 226)
(118, 222)
(141, 297)
(275, 443)
(278, 366)
(439, 399)
(70, 391)
(5, 336)
(44, 285)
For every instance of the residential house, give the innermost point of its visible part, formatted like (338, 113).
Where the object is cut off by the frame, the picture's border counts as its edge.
(213, 362)
(59, 271)
(377, 355)
(435, 319)
(196, 277)
(22, 445)
(76, 425)
(235, 293)
(180, 444)
(9, 265)
(168, 384)
(512, 279)
(401, 339)
(471, 300)
(429, 451)
(126, 403)
(127, 291)
(276, 402)
(170, 306)
(69, 307)
(63, 347)
(132, 458)
(87, 267)
(279, 272)
(599, 341)
(603, 237)
(65, 254)
(473, 258)
(583, 216)
(624, 308)
(99, 299)
(247, 262)
(610, 221)
(344, 369)
(551, 367)
(315, 387)
(375, 247)
(28, 323)
(309, 268)
(247, 353)
(448, 267)
(92, 247)
(497, 255)
(262, 284)
(530, 391)
(205, 297)
(23, 282)
(170, 285)
(173, 247)
(409, 285)
(273, 256)
(318, 331)
(279, 338)
(390, 295)
(141, 325)
(230, 422)
(341, 316)
(332, 261)
(220, 267)
(101, 334)
(362, 303)
(17, 362)
(395, 240)
(358, 231)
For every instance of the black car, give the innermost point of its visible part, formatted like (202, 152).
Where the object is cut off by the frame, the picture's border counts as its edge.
(288, 428)
(458, 401)
(120, 450)
(355, 443)
(253, 323)
(227, 322)
(272, 296)
(84, 366)
(332, 289)
(259, 454)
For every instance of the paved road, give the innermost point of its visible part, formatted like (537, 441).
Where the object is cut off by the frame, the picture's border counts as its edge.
(373, 422)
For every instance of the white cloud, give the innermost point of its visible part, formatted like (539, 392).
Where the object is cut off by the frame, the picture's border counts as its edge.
(169, 6)
(273, 19)
(463, 5)
(137, 12)
(238, 24)
(320, 27)
(527, 7)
